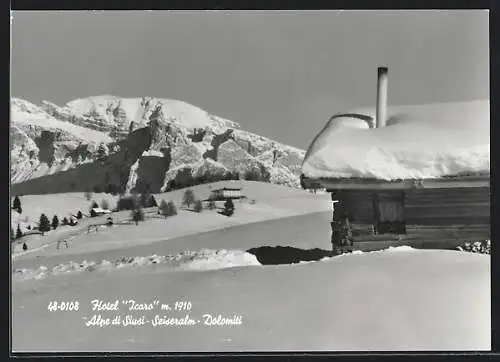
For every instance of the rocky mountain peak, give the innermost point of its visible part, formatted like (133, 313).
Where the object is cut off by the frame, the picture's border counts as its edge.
(109, 142)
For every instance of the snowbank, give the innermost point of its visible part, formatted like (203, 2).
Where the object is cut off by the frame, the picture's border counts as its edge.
(220, 259)
(204, 259)
(481, 247)
(390, 249)
(393, 249)
(419, 141)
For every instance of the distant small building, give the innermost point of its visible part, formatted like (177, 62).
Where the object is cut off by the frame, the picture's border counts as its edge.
(226, 193)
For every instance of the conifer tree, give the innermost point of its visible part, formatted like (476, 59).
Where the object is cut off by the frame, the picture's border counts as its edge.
(211, 205)
(44, 223)
(164, 208)
(188, 198)
(16, 205)
(198, 206)
(55, 222)
(137, 215)
(104, 204)
(229, 207)
(19, 233)
(172, 208)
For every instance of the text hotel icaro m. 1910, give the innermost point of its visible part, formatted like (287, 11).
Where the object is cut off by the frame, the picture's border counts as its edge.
(136, 314)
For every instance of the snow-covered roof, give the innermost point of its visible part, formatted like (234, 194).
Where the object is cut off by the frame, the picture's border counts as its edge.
(228, 189)
(98, 210)
(418, 142)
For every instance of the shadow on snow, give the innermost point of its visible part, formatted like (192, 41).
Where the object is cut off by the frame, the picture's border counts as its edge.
(275, 255)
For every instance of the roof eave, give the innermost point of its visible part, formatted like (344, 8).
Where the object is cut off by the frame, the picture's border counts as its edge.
(478, 180)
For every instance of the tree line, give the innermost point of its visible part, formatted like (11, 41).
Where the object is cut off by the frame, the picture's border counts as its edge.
(135, 203)
(184, 177)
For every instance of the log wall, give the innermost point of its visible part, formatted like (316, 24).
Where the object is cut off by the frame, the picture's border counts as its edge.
(448, 215)
(469, 206)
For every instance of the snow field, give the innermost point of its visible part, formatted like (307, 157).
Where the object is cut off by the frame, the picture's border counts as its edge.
(395, 300)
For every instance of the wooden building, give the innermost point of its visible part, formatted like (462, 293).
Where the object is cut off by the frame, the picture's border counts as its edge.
(436, 212)
(422, 213)
(226, 193)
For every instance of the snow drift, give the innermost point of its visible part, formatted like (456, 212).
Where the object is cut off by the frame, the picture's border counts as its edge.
(419, 141)
(204, 259)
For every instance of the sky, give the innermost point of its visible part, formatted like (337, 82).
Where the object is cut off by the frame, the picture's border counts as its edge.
(280, 74)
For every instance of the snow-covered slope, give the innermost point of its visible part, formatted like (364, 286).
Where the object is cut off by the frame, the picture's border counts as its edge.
(114, 109)
(393, 300)
(27, 114)
(419, 141)
(126, 143)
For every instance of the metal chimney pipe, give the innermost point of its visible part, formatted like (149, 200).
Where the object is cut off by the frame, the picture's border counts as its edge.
(381, 97)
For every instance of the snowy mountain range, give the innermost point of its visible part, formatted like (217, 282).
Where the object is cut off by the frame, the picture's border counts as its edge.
(118, 144)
